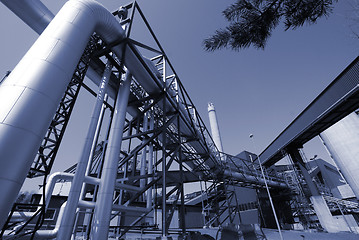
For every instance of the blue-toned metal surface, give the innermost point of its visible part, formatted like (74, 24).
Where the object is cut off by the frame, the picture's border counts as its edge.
(338, 100)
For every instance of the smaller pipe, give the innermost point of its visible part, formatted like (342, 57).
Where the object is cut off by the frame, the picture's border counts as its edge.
(144, 153)
(102, 214)
(94, 143)
(50, 186)
(46, 234)
(150, 164)
(115, 207)
(77, 183)
(253, 179)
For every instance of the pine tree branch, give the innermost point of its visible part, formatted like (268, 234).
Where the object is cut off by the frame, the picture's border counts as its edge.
(251, 22)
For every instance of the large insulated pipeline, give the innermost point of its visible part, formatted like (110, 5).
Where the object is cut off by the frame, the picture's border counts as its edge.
(30, 95)
(35, 11)
(32, 12)
(37, 16)
(32, 92)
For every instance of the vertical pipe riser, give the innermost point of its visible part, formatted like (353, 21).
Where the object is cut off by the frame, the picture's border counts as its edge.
(144, 153)
(76, 186)
(103, 205)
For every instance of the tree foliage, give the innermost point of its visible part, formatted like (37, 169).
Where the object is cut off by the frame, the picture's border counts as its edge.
(251, 22)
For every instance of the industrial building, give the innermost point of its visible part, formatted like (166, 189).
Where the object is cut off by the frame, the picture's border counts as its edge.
(147, 146)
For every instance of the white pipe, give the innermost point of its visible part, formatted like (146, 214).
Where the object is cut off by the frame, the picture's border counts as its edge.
(145, 80)
(135, 66)
(115, 207)
(31, 93)
(150, 163)
(33, 12)
(249, 178)
(103, 209)
(51, 182)
(77, 183)
(68, 177)
(37, 16)
(46, 234)
(149, 194)
(127, 187)
(144, 152)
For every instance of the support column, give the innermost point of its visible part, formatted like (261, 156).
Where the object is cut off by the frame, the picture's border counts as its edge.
(103, 207)
(68, 219)
(342, 141)
(164, 139)
(320, 206)
(144, 153)
(150, 168)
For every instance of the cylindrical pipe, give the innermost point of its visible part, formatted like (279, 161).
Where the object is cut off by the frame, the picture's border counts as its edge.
(94, 144)
(49, 234)
(342, 141)
(252, 179)
(32, 92)
(51, 182)
(77, 183)
(214, 127)
(144, 153)
(103, 209)
(149, 192)
(32, 12)
(164, 156)
(115, 207)
(150, 163)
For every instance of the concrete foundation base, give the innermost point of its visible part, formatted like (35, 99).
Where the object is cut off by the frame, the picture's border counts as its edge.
(324, 215)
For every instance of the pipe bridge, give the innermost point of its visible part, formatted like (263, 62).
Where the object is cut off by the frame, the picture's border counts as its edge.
(145, 139)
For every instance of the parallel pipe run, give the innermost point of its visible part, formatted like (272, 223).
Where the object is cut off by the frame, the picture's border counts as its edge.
(50, 186)
(115, 207)
(144, 72)
(252, 179)
(134, 63)
(49, 234)
(150, 163)
(144, 152)
(105, 194)
(32, 92)
(77, 184)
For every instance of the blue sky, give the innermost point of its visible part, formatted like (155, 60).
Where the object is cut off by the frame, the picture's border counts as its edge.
(254, 91)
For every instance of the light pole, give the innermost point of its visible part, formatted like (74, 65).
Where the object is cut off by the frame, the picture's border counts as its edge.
(251, 136)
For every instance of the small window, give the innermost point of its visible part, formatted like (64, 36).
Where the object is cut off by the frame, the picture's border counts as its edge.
(50, 214)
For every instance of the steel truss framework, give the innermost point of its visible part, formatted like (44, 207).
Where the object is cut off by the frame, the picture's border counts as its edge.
(165, 144)
(51, 143)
